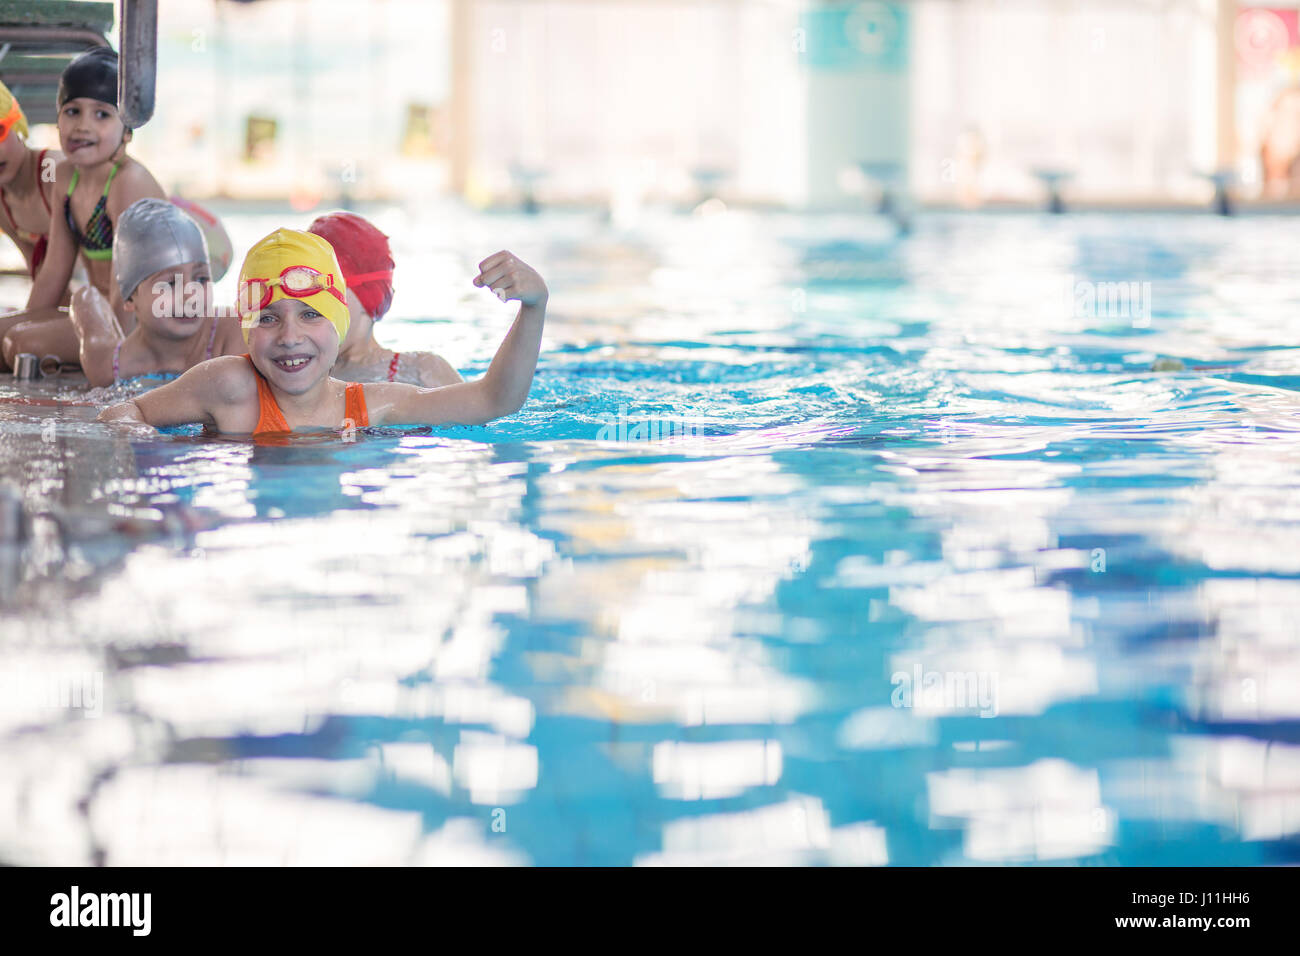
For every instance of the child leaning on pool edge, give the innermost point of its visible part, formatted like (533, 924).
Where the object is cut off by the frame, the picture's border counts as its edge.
(26, 186)
(293, 302)
(367, 265)
(161, 270)
(94, 184)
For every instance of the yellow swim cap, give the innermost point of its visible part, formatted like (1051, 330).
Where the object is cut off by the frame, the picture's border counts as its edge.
(12, 118)
(292, 264)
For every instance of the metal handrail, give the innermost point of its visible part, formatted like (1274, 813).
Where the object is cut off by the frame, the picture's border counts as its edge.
(138, 62)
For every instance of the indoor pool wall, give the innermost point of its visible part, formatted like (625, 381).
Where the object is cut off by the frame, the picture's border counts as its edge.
(812, 544)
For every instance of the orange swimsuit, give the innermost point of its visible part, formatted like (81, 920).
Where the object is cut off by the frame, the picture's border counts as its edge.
(270, 419)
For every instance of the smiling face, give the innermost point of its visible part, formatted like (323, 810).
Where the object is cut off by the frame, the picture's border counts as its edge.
(293, 345)
(11, 157)
(173, 302)
(89, 131)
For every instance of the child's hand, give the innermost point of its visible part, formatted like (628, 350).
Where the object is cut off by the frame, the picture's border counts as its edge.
(126, 420)
(511, 278)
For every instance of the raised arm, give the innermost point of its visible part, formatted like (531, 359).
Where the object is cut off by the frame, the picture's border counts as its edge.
(61, 253)
(98, 332)
(504, 387)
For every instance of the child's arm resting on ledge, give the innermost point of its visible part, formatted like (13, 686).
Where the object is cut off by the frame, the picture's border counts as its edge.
(504, 387)
(125, 417)
(196, 397)
(98, 333)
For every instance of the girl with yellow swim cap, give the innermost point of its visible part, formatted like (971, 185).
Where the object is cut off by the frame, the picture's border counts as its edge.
(26, 184)
(292, 300)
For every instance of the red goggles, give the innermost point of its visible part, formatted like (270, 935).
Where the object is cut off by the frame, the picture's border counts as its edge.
(297, 281)
(10, 120)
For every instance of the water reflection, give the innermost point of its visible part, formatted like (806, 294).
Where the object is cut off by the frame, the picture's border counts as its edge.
(948, 575)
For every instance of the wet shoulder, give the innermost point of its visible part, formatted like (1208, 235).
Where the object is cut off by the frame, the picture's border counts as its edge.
(133, 181)
(230, 379)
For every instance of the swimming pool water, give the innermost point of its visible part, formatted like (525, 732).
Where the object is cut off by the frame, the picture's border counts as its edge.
(889, 462)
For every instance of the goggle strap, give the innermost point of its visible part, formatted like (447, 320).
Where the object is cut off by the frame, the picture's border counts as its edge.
(369, 277)
(10, 119)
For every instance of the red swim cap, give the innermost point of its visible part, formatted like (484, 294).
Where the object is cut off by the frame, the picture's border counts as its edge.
(364, 257)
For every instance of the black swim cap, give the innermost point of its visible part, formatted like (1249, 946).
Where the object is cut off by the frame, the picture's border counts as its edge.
(93, 75)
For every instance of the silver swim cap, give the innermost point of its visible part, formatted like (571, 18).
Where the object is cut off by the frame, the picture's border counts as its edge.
(150, 236)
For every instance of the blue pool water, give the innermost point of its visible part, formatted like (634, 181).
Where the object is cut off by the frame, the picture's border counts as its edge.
(888, 463)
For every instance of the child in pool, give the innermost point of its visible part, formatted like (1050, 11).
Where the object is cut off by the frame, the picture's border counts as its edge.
(161, 270)
(97, 182)
(26, 196)
(367, 265)
(293, 301)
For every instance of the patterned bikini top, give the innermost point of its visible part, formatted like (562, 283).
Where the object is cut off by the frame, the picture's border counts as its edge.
(97, 241)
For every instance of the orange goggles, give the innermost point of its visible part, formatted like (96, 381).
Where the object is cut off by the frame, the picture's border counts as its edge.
(297, 281)
(10, 120)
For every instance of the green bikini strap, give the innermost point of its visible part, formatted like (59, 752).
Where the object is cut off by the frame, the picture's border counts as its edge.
(111, 174)
(76, 178)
